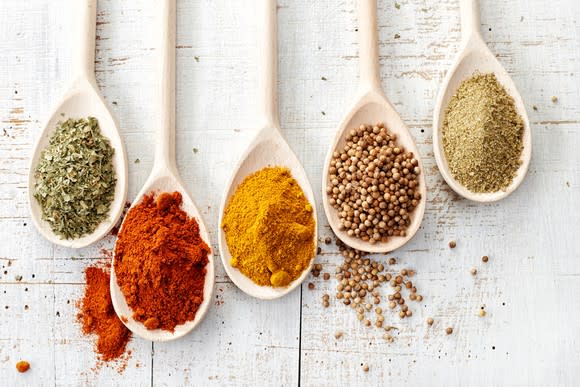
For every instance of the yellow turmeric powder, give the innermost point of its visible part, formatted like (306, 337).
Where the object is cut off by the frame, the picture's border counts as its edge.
(269, 228)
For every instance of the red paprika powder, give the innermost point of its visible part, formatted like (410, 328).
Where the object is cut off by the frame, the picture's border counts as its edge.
(160, 262)
(98, 316)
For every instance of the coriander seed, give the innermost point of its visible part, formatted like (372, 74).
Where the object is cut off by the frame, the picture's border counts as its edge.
(373, 183)
(449, 330)
(485, 258)
(430, 321)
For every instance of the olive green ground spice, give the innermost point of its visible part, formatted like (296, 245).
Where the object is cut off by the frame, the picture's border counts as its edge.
(482, 135)
(75, 178)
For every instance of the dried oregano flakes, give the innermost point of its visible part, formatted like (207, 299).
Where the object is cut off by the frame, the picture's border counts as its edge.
(75, 178)
(483, 135)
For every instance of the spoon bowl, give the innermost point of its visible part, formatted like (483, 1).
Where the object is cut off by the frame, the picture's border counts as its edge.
(372, 107)
(475, 57)
(80, 101)
(268, 149)
(165, 178)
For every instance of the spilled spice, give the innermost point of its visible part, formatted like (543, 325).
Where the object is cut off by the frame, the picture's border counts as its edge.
(97, 316)
(22, 366)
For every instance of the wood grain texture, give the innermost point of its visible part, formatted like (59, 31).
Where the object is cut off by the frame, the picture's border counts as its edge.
(530, 287)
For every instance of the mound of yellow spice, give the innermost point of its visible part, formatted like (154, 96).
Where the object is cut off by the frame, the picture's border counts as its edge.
(269, 227)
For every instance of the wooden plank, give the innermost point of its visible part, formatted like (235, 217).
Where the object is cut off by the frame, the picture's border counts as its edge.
(530, 237)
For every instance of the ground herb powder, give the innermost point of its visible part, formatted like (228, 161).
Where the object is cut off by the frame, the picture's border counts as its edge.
(482, 135)
(269, 227)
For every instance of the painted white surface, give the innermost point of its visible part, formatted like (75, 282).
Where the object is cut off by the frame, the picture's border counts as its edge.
(531, 237)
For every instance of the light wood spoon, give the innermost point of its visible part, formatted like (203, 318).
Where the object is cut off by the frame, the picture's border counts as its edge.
(165, 178)
(372, 107)
(474, 56)
(82, 100)
(267, 149)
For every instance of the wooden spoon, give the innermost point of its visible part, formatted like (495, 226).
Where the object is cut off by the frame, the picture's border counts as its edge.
(165, 178)
(82, 100)
(474, 56)
(372, 107)
(267, 149)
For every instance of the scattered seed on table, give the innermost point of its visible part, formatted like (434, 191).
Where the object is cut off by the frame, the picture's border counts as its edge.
(392, 261)
(327, 240)
(449, 330)
(310, 285)
(392, 304)
(318, 250)
(388, 337)
(419, 298)
(430, 321)
(338, 335)
(318, 267)
(326, 276)
(365, 367)
(452, 244)
(473, 271)
(482, 313)
(22, 366)
(485, 258)
(554, 99)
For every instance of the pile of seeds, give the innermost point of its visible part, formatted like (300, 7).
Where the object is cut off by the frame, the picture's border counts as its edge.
(373, 184)
(482, 135)
(359, 280)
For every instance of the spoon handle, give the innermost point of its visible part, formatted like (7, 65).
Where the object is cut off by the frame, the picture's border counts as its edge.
(368, 45)
(470, 21)
(84, 55)
(268, 62)
(165, 142)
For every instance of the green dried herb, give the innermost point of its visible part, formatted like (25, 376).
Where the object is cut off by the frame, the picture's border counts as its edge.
(75, 178)
(482, 135)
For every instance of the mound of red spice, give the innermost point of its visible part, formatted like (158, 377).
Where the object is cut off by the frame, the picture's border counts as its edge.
(160, 262)
(98, 316)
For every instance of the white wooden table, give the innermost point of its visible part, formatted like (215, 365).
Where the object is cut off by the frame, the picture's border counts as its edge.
(530, 287)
